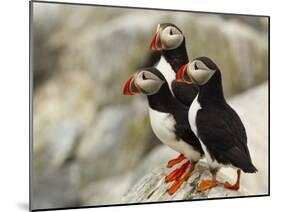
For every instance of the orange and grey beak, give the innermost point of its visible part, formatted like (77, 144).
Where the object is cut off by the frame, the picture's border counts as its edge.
(130, 87)
(183, 75)
(154, 42)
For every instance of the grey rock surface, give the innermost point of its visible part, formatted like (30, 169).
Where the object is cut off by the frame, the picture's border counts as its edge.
(109, 142)
(56, 133)
(109, 190)
(152, 187)
(57, 188)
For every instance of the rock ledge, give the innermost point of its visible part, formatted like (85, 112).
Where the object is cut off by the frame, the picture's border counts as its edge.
(152, 187)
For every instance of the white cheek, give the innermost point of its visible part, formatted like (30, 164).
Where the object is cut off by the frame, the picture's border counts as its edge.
(150, 86)
(172, 41)
(145, 83)
(201, 76)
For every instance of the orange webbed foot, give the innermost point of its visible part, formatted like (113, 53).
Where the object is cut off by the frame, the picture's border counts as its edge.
(235, 186)
(231, 186)
(176, 185)
(177, 172)
(207, 184)
(175, 161)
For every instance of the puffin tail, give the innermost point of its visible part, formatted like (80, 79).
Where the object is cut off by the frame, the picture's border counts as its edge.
(250, 168)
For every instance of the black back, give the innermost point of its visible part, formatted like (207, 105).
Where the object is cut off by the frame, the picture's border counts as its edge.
(220, 128)
(164, 101)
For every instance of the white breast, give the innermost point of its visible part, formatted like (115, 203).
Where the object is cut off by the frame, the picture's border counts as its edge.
(166, 69)
(192, 114)
(163, 126)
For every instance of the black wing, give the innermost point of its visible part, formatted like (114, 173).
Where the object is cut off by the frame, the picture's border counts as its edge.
(186, 134)
(182, 127)
(185, 93)
(223, 133)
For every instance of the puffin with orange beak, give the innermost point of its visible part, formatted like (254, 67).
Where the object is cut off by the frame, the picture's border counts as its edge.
(170, 42)
(168, 121)
(216, 125)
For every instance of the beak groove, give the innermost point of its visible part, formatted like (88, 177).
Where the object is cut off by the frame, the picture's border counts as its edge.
(127, 87)
(179, 75)
(183, 75)
(152, 45)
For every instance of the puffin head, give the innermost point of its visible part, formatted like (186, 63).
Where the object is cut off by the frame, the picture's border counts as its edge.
(147, 81)
(199, 71)
(167, 37)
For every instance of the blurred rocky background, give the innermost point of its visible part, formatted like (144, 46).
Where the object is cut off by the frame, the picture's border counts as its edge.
(91, 144)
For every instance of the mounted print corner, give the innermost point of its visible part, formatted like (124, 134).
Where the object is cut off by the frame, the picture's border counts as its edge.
(138, 105)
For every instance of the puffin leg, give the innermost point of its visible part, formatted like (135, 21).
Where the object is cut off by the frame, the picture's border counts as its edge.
(235, 186)
(207, 184)
(175, 186)
(177, 172)
(175, 161)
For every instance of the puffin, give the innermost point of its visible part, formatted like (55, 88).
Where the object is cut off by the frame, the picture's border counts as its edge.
(215, 123)
(169, 41)
(168, 121)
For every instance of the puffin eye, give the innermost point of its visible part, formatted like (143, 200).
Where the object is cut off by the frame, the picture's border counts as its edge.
(195, 66)
(171, 31)
(144, 77)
